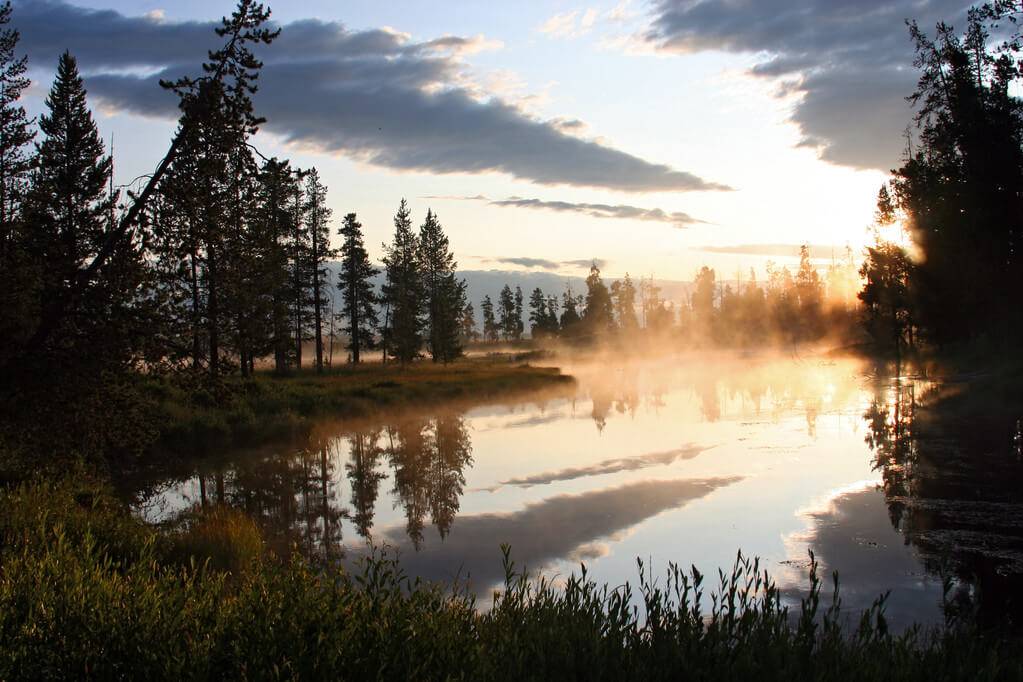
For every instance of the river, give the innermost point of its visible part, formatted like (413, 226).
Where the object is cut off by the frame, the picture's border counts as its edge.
(684, 460)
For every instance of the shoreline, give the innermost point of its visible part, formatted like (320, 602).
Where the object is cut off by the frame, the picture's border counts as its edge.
(268, 407)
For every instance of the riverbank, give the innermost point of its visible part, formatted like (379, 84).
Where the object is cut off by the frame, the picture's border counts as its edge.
(265, 407)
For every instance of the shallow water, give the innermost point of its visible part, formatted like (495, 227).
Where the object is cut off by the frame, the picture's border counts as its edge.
(683, 461)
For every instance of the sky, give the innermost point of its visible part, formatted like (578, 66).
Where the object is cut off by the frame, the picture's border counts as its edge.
(653, 135)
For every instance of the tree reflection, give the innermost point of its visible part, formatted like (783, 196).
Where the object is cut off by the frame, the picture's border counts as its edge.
(452, 452)
(429, 459)
(364, 477)
(408, 456)
(951, 478)
(889, 421)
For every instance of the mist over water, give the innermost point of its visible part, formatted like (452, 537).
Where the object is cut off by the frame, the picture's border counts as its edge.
(684, 459)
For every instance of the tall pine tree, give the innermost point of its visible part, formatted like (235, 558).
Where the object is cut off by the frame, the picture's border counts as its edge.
(358, 300)
(403, 291)
(317, 218)
(15, 133)
(445, 295)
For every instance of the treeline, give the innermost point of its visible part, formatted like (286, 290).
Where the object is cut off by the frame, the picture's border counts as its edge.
(958, 195)
(216, 260)
(788, 308)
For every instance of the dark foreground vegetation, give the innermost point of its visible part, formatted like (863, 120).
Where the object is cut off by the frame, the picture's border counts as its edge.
(87, 591)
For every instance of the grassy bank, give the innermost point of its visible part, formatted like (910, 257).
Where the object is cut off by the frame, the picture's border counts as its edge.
(245, 411)
(86, 591)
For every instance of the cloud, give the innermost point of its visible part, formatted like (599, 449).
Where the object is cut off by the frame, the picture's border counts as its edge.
(619, 211)
(609, 466)
(849, 62)
(570, 25)
(820, 251)
(463, 46)
(373, 95)
(526, 262)
(558, 527)
(545, 264)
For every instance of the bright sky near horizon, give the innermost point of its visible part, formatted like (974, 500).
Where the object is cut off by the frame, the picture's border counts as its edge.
(657, 136)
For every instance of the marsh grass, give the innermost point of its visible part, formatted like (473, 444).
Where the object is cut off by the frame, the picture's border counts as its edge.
(86, 591)
(244, 412)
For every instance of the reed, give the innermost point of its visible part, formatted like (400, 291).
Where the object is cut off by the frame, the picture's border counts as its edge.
(87, 591)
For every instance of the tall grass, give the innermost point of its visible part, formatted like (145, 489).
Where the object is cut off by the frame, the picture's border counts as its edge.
(245, 411)
(88, 592)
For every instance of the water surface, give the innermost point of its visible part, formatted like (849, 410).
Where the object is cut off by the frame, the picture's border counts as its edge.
(685, 461)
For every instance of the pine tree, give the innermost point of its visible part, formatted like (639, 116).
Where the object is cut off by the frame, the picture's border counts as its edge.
(19, 273)
(552, 315)
(242, 301)
(598, 315)
(569, 310)
(491, 329)
(506, 312)
(520, 326)
(272, 227)
(624, 294)
(301, 271)
(358, 305)
(82, 370)
(403, 291)
(317, 218)
(70, 200)
(538, 313)
(445, 295)
(15, 133)
(467, 325)
(810, 294)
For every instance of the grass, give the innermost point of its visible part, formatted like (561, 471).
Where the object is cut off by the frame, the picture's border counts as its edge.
(245, 412)
(86, 591)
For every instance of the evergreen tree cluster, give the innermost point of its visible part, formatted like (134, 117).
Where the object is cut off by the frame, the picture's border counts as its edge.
(958, 195)
(791, 308)
(424, 303)
(217, 262)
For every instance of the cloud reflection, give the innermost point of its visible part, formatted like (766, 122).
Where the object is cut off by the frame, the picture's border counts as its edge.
(611, 466)
(555, 528)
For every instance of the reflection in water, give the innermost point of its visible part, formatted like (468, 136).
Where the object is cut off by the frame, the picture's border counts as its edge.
(609, 466)
(364, 475)
(689, 461)
(952, 486)
(554, 528)
(850, 532)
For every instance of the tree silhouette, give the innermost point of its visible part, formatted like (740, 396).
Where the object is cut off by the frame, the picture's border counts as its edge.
(317, 217)
(403, 290)
(358, 305)
(444, 293)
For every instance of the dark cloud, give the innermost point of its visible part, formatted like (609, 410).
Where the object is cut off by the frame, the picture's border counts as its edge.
(556, 528)
(610, 466)
(526, 262)
(778, 250)
(545, 264)
(619, 211)
(372, 95)
(850, 60)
